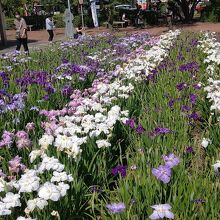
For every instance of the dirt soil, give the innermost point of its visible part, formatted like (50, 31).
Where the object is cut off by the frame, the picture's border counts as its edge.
(40, 38)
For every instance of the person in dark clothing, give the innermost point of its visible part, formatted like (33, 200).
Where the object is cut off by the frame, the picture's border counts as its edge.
(138, 16)
(169, 15)
(79, 31)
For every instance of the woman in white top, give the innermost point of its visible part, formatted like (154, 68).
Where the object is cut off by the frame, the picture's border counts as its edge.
(50, 27)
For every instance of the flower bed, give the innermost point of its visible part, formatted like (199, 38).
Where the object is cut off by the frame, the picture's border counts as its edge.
(111, 127)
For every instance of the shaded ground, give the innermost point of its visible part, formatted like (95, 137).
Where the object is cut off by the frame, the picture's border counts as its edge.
(39, 38)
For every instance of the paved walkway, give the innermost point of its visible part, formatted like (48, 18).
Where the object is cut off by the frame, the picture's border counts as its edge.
(39, 38)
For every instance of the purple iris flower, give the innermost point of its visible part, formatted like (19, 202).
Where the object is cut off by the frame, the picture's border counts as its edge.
(163, 173)
(180, 56)
(194, 116)
(159, 130)
(50, 89)
(185, 108)
(194, 42)
(67, 90)
(140, 129)
(65, 61)
(189, 67)
(119, 170)
(193, 98)
(197, 86)
(181, 86)
(189, 150)
(199, 201)
(171, 103)
(2, 174)
(45, 98)
(171, 160)
(130, 123)
(151, 77)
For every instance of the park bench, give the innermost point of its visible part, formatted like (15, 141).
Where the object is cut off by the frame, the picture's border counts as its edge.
(106, 24)
(30, 26)
(118, 23)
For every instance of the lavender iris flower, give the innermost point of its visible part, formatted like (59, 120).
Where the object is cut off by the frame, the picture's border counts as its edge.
(163, 173)
(15, 165)
(161, 211)
(116, 207)
(171, 160)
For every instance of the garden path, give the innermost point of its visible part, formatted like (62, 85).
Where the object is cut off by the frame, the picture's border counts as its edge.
(39, 38)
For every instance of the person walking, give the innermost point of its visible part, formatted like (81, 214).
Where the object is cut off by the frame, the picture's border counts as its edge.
(21, 33)
(169, 15)
(124, 19)
(50, 28)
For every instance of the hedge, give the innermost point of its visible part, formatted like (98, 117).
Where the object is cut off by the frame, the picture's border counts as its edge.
(9, 23)
(211, 14)
(38, 22)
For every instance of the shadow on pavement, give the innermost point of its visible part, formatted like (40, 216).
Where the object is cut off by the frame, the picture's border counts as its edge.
(12, 43)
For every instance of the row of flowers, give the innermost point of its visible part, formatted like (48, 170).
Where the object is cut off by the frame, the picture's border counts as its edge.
(211, 48)
(173, 104)
(62, 79)
(90, 114)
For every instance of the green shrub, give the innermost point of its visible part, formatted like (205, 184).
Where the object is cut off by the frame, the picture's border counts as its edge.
(150, 17)
(38, 22)
(9, 23)
(58, 20)
(77, 20)
(211, 13)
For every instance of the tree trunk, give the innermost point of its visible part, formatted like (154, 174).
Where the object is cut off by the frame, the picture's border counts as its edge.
(2, 27)
(185, 9)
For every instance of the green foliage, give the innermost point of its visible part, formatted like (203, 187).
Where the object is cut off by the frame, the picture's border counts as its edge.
(9, 23)
(10, 6)
(211, 13)
(58, 20)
